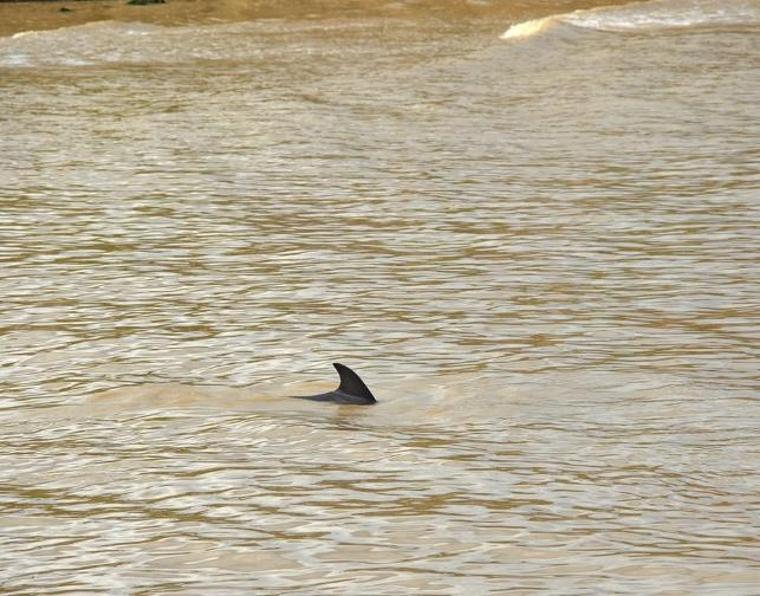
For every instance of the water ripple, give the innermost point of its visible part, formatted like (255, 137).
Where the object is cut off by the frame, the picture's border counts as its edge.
(543, 256)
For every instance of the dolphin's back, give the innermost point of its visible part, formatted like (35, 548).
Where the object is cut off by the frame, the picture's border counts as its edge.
(351, 390)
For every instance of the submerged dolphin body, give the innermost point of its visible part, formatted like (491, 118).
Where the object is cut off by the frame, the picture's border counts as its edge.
(351, 390)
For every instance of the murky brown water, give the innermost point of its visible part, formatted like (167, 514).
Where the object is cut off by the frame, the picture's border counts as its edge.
(541, 252)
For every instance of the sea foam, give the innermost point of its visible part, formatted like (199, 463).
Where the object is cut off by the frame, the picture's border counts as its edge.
(652, 16)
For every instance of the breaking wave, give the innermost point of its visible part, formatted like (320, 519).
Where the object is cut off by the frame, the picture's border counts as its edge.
(656, 15)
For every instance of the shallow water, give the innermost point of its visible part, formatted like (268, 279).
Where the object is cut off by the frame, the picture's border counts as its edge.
(540, 251)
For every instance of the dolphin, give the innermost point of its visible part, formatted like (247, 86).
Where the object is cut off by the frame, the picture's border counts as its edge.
(351, 390)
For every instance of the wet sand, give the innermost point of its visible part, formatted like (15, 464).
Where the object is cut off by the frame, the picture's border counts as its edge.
(32, 16)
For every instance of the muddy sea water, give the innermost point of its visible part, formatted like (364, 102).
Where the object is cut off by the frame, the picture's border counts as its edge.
(537, 239)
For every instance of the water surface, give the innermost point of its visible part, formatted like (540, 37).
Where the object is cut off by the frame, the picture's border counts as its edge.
(536, 239)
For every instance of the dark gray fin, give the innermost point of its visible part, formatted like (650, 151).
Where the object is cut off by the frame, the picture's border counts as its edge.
(351, 384)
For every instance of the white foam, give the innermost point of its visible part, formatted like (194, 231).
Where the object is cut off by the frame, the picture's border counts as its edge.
(529, 28)
(22, 34)
(15, 59)
(648, 16)
(80, 45)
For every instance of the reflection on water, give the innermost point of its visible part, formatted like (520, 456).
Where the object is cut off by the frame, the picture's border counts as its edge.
(540, 253)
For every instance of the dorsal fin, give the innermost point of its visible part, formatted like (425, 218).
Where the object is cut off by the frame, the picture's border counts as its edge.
(351, 384)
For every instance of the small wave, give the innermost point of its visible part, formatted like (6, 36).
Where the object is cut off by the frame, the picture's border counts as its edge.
(654, 15)
(667, 14)
(79, 45)
(106, 26)
(21, 34)
(529, 28)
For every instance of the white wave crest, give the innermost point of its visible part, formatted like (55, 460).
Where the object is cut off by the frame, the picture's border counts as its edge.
(529, 28)
(649, 16)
